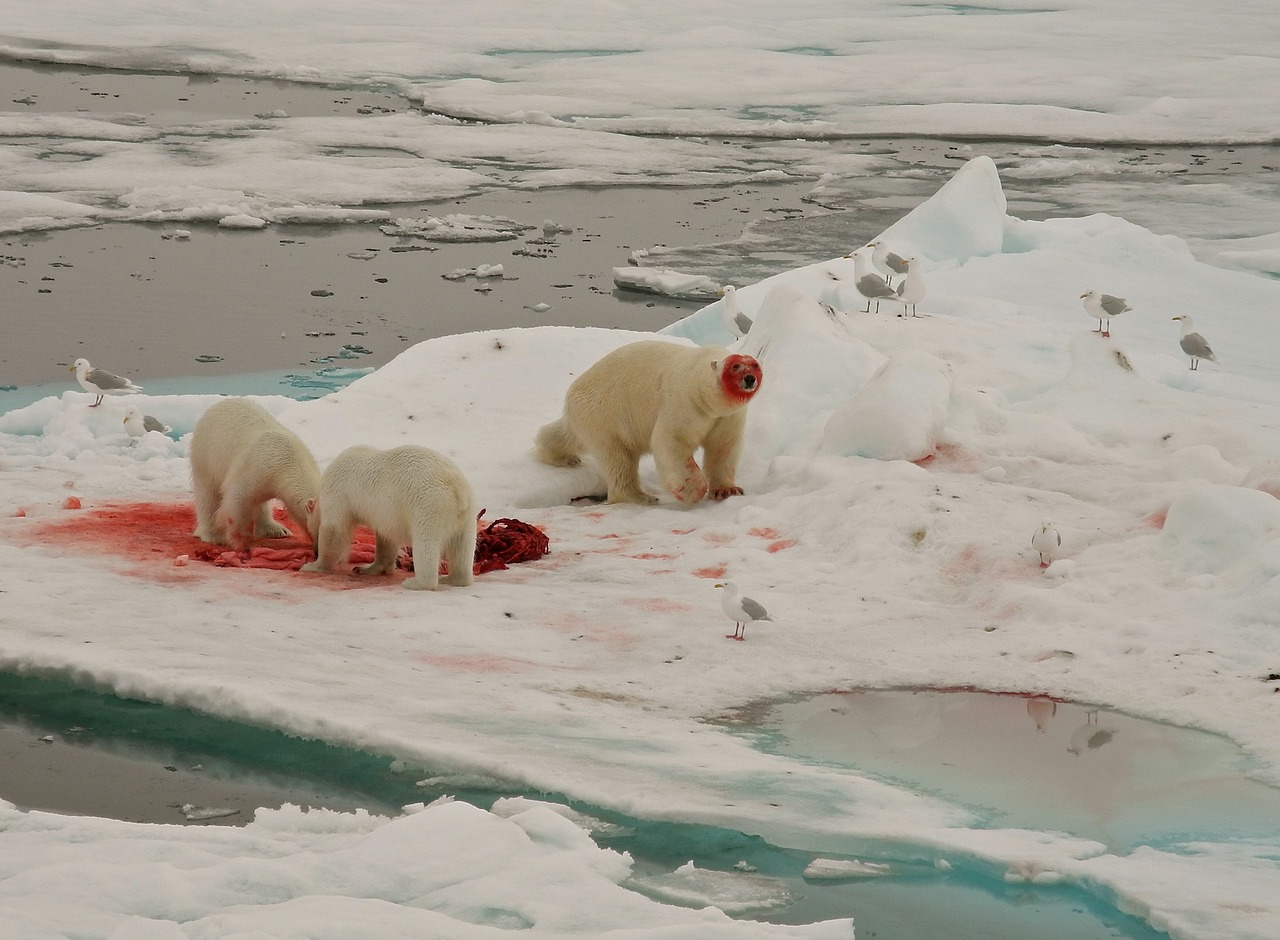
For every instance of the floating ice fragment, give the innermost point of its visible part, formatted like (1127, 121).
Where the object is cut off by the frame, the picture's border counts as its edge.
(198, 813)
(241, 220)
(666, 283)
(731, 892)
(457, 228)
(538, 307)
(837, 869)
(480, 270)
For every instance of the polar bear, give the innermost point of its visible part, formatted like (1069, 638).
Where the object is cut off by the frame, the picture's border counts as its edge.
(661, 398)
(241, 459)
(409, 496)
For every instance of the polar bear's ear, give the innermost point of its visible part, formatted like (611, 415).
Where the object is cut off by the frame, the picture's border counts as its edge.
(715, 365)
(311, 507)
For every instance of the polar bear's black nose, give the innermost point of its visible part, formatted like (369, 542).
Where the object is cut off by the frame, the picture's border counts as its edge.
(748, 382)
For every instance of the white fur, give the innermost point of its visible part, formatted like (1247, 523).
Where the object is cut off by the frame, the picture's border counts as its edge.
(651, 397)
(241, 459)
(409, 496)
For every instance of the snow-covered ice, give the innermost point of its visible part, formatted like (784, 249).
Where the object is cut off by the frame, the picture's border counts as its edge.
(588, 673)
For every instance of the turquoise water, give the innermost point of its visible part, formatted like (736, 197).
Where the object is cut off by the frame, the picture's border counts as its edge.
(913, 902)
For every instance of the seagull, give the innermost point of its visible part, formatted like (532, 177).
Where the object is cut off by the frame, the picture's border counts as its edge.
(1103, 307)
(911, 291)
(737, 321)
(886, 262)
(1046, 540)
(138, 424)
(870, 285)
(741, 610)
(1193, 344)
(100, 382)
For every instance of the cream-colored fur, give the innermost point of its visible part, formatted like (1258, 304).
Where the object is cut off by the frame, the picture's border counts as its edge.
(241, 459)
(653, 397)
(409, 496)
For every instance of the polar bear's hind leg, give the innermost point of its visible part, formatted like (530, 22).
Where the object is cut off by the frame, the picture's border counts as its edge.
(426, 562)
(557, 445)
(460, 553)
(208, 502)
(384, 556)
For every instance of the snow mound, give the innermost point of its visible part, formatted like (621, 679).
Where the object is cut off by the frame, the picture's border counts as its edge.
(899, 414)
(1211, 527)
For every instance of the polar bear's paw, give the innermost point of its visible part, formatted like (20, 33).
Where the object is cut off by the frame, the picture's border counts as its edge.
(210, 536)
(421, 584)
(724, 492)
(693, 488)
(271, 530)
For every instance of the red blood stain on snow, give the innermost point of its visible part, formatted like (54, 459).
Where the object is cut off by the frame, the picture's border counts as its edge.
(645, 556)
(151, 532)
(765, 533)
(658, 605)
(137, 531)
(715, 572)
(970, 560)
(581, 627)
(681, 531)
(953, 458)
(71, 502)
(475, 663)
(594, 514)
(1156, 519)
(155, 534)
(780, 545)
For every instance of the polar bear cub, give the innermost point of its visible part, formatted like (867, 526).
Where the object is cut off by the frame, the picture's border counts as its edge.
(409, 496)
(241, 459)
(662, 398)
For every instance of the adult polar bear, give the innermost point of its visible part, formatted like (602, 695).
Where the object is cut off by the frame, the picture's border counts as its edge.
(241, 459)
(408, 495)
(662, 398)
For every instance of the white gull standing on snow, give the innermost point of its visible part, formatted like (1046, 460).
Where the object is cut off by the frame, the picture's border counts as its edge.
(737, 322)
(911, 291)
(1193, 344)
(870, 285)
(886, 262)
(741, 610)
(1046, 540)
(1103, 307)
(101, 382)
